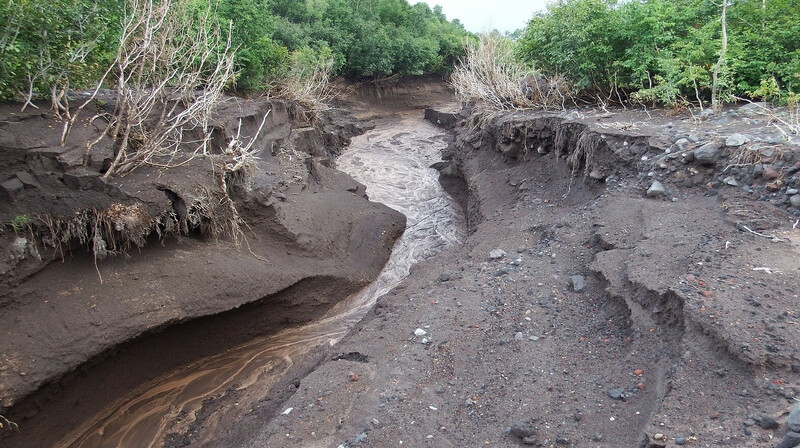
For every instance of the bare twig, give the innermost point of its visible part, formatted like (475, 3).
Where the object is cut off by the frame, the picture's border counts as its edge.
(771, 237)
(158, 73)
(6, 423)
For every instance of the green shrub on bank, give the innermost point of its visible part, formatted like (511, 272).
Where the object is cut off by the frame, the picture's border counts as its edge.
(47, 47)
(665, 50)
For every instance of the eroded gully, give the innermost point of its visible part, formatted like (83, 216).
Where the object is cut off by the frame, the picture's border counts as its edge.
(393, 161)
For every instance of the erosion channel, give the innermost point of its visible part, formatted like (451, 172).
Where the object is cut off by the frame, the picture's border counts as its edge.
(393, 160)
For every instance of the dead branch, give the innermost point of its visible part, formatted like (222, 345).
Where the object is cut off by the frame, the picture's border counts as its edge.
(158, 73)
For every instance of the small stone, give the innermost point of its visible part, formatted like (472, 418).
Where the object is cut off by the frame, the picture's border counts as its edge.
(444, 278)
(497, 254)
(27, 179)
(562, 441)
(617, 394)
(521, 249)
(730, 180)
(659, 436)
(736, 140)
(523, 430)
(596, 174)
(656, 190)
(12, 188)
(792, 191)
(680, 441)
(767, 422)
(795, 201)
(770, 173)
(794, 418)
(353, 376)
(774, 186)
(578, 282)
(519, 336)
(420, 332)
(707, 154)
(682, 144)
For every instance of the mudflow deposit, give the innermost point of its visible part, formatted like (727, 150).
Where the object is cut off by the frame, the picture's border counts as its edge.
(583, 278)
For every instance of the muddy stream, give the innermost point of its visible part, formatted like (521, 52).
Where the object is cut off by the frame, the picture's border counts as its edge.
(393, 161)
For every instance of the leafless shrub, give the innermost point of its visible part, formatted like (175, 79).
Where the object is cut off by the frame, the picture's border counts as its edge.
(308, 83)
(171, 69)
(491, 78)
(786, 120)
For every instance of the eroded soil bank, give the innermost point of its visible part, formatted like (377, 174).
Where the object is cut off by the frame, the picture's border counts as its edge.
(200, 263)
(582, 310)
(586, 308)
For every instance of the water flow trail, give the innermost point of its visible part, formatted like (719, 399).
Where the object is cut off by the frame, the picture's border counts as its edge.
(393, 162)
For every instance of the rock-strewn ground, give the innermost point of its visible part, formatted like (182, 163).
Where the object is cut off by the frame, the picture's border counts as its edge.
(583, 311)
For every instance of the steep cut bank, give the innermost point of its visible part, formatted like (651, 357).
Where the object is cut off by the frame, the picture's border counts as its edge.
(591, 306)
(201, 263)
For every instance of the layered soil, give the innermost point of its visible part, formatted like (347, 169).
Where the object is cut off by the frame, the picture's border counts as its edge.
(190, 263)
(609, 317)
(630, 280)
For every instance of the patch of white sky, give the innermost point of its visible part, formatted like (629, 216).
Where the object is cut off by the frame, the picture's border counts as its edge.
(478, 16)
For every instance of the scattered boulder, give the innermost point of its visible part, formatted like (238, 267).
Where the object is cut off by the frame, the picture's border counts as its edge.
(683, 144)
(708, 154)
(790, 440)
(525, 432)
(12, 188)
(656, 190)
(770, 173)
(497, 254)
(27, 179)
(794, 418)
(767, 422)
(730, 180)
(578, 282)
(617, 394)
(736, 140)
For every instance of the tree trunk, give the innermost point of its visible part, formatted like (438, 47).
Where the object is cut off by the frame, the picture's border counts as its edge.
(715, 101)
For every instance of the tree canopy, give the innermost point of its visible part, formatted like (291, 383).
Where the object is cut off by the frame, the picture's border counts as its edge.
(665, 50)
(63, 44)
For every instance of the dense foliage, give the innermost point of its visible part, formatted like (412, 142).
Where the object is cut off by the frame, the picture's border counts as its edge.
(56, 44)
(665, 50)
(46, 45)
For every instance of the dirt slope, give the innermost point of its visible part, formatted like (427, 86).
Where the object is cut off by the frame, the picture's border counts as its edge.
(612, 318)
(309, 237)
